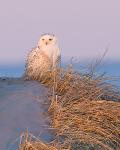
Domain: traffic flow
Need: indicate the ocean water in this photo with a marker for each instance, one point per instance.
(109, 68)
(11, 70)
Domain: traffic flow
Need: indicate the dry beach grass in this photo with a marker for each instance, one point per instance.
(81, 110)
(30, 142)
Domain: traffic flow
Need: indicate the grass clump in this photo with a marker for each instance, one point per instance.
(82, 111)
(30, 142)
(80, 114)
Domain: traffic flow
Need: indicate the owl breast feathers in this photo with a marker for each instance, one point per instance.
(43, 58)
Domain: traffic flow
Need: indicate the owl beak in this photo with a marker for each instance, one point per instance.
(46, 43)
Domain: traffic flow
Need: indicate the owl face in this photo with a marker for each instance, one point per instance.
(47, 40)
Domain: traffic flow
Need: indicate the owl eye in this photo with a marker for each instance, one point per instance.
(50, 39)
(43, 39)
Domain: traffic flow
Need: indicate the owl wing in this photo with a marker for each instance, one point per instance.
(30, 58)
(32, 54)
(57, 59)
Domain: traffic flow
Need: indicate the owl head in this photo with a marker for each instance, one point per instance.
(47, 40)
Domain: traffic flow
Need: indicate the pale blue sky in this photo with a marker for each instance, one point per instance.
(85, 28)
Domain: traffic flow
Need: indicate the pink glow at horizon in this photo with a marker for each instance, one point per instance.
(84, 28)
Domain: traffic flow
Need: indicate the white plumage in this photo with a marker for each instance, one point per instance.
(44, 57)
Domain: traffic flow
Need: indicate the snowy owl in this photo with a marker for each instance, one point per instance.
(45, 57)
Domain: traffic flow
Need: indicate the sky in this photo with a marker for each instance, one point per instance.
(85, 28)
